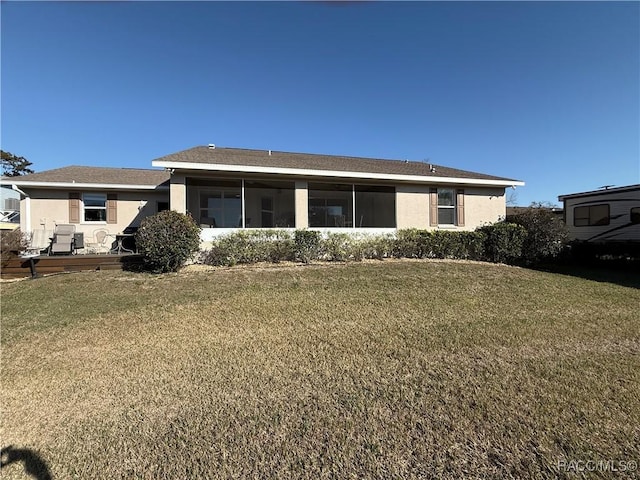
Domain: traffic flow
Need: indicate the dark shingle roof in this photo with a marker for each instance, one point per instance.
(308, 161)
(98, 175)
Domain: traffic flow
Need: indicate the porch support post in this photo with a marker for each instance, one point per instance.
(353, 206)
(302, 204)
(178, 193)
(242, 204)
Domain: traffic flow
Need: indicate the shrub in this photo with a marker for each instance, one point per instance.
(461, 245)
(167, 240)
(251, 246)
(546, 234)
(11, 242)
(340, 247)
(503, 242)
(414, 243)
(377, 247)
(306, 245)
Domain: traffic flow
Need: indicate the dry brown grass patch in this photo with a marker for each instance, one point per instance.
(372, 370)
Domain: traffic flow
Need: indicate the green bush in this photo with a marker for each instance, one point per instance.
(340, 247)
(503, 242)
(377, 247)
(414, 243)
(306, 245)
(251, 246)
(11, 242)
(546, 234)
(167, 240)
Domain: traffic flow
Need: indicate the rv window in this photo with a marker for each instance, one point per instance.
(635, 215)
(593, 215)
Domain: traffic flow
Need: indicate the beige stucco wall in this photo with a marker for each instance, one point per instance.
(412, 206)
(481, 206)
(178, 192)
(51, 207)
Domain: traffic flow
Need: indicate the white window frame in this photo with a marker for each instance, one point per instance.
(85, 208)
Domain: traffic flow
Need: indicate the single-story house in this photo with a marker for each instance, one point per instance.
(225, 189)
(605, 215)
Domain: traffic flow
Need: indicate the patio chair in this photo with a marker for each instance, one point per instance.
(62, 241)
(40, 241)
(101, 242)
(207, 222)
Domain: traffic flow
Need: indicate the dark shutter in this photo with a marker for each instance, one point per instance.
(433, 207)
(460, 207)
(112, 208)
(74, 207)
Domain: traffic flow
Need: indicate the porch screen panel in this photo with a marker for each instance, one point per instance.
(375, 206)
(330, 205)
(269, 204)
(220, 205)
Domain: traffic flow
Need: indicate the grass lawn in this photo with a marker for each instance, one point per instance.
(395, 369)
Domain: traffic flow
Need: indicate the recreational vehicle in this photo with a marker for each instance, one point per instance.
(605, 215)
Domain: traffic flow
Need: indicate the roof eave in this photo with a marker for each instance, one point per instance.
(77, 185)
(335, 173)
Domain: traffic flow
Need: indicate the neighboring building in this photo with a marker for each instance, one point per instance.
(9, 208)
(606, 215)
(226, 189)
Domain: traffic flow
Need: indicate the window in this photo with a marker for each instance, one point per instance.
(593, 215)
(269, 204)
(162, 206)
(221, 208)
(266, 212)
(330, 205)
(635, 215)
(375, 206)
(95, 207)
(446, 206)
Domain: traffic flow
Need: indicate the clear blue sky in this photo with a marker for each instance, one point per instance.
(544, 92)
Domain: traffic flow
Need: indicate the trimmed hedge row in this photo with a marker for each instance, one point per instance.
(501, 242)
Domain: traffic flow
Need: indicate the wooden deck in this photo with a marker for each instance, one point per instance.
(45, 265)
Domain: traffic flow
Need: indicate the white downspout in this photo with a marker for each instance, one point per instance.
(25, 224)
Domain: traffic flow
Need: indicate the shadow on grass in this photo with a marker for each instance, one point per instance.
(34, 465)
(626, 274)
(133, 263)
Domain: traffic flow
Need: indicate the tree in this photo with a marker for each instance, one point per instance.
(14, 166)
(546, 232)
